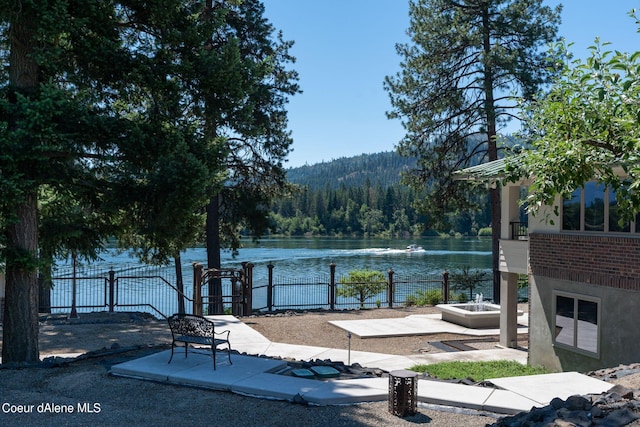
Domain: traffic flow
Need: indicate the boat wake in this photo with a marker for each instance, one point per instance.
(390, 251)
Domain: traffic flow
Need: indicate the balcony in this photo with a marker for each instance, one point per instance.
(514, 256)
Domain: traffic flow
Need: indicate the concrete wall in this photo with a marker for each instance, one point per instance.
(619, 333)
(514, 256)
(546, 220)
(600, 266)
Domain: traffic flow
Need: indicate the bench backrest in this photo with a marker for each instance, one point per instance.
(190, 325)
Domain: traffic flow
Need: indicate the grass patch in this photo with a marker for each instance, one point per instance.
(479, 371)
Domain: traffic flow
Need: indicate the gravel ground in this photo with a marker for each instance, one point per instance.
(83, 393)
(313, 328)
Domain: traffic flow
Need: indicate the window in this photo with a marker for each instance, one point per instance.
(571, 211)
(594, 208)
(577, 320)
(614, 216)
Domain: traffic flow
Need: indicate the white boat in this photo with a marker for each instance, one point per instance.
(414, 248)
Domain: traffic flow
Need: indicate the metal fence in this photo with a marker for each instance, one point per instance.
(322, 291)
(154, 290)
(146, 289)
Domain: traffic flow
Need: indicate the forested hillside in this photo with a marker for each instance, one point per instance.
(354, 171)
(361, 196)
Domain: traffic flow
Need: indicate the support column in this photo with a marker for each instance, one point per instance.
(509, 310)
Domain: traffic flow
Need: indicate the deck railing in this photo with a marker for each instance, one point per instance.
(519, 231)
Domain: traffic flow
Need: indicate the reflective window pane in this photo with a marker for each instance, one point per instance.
(588, 326)
(614, 216)
(571, 211)
(564, 320)
(593, 207)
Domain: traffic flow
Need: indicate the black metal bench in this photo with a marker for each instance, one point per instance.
(192, 329)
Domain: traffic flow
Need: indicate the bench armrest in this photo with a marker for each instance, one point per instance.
(227, 332)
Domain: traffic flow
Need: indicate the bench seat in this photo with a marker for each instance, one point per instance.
(196, 330)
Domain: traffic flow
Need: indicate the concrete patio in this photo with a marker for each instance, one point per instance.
(256, 370)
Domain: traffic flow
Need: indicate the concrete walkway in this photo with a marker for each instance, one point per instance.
(258, 375)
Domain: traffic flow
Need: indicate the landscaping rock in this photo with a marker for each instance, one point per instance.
(617, 407)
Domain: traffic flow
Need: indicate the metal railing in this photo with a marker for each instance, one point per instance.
(321, 291)
(147, 289)
(519, 230)
(154, 291)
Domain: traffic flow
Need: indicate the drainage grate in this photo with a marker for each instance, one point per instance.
(442, 346)
(451, 346)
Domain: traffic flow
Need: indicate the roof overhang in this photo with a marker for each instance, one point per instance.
(490, 171)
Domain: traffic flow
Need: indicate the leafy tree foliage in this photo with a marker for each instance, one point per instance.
(460, 72)
(362, 284)
(587, 127)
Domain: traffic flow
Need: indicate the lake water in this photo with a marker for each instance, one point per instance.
(301, 256)
(305, 257)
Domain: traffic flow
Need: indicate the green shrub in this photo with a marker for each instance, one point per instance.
(485, 232)
(432, 296)
(428, 297)
(411, 300)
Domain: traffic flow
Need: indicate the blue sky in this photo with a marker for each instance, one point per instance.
(345, 48)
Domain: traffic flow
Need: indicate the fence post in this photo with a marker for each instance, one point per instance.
(237, 298)
(270, 288)
(248, 288)
(390, 288)
(445, 287)
(197, 291)
(332, 286)
(112, 286)
(44, 298)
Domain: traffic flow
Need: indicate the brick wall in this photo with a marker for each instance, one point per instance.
(602, 260)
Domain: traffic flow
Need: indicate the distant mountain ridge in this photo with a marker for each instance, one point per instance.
(379, 168)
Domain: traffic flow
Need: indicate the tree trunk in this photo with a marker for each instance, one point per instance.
(20, 323)
(492, 150)
(213, 255)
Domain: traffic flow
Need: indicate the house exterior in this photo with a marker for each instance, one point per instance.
(583, 267)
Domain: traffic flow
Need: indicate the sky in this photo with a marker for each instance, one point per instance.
(345, 48)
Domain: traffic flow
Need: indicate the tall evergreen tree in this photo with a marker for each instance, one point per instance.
(243, 88)
(460, 71)
(79, 120)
